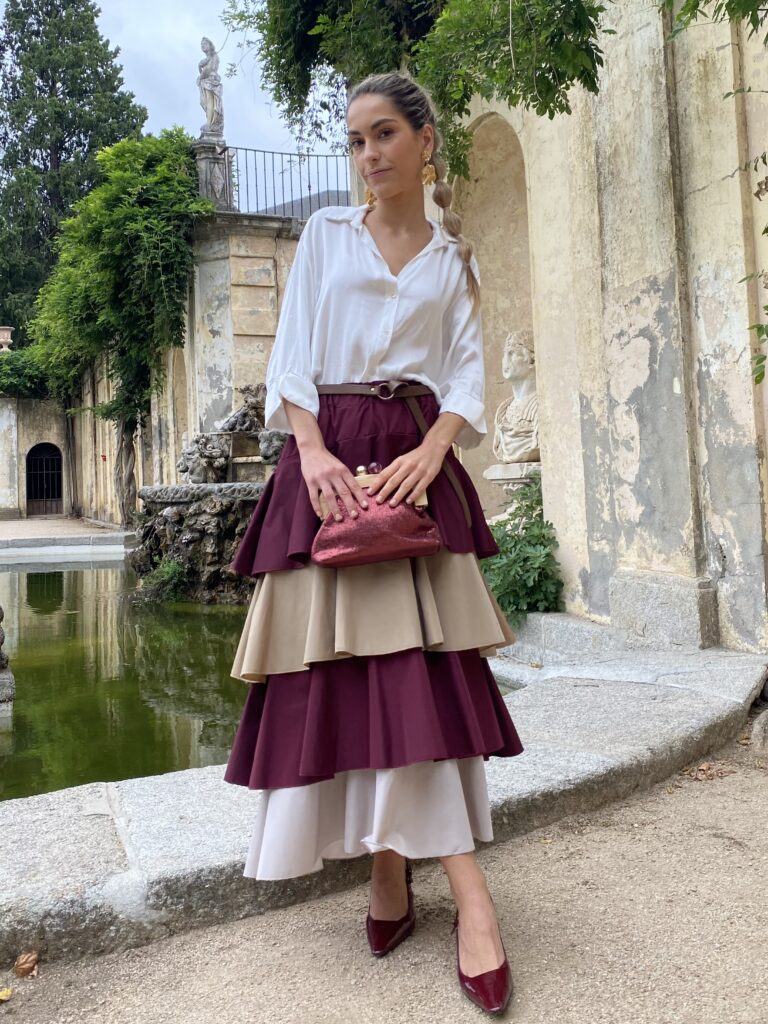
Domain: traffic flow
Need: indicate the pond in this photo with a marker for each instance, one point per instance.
(110, 689)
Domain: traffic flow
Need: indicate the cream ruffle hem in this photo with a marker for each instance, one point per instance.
(300, 616)
(428, 809)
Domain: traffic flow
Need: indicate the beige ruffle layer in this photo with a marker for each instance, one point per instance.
(429, 809)
(301, 616)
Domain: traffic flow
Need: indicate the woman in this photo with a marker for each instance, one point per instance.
(372, 706)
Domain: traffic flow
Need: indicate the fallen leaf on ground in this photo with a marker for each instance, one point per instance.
(5, 994)
(706, 772)
(546, 839)
(26, 964)
(745, 740)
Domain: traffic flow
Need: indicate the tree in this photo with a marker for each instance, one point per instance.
(528, 52)
(61, 100)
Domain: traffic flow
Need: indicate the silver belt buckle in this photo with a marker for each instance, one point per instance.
(391, 386)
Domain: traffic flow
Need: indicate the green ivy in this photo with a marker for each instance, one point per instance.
(118, 291)
(21, 374)
(525, 576)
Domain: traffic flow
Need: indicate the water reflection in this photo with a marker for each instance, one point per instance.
(45, 591)
(108, 689)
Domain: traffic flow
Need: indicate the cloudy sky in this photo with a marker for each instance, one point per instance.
(159, 44)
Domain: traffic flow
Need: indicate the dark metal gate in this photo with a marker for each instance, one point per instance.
(44, 484)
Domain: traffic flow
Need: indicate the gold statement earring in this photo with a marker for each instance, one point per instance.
(370, 197)
(428, 172)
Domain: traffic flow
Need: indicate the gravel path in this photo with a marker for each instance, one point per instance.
(651, 911)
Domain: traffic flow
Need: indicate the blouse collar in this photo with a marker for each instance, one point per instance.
(354, 215)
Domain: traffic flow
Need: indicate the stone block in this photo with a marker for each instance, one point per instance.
(254, 320)
(664, 609)
(258, 271)
(248, 244)
(249, 297)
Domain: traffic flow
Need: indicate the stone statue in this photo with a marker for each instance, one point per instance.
(271, 444)
(516, 437)
(249, 418)
(204, 460)
(211, 91)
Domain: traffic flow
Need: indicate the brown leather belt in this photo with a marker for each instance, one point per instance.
(402, 389)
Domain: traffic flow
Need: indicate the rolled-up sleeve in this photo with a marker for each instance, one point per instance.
(462, 381)
(289, 371)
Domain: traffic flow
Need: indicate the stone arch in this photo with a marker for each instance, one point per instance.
(45, 480)
(493, 204)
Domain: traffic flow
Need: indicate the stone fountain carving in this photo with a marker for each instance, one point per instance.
(200, 521)
(516, 424)
(205, 460)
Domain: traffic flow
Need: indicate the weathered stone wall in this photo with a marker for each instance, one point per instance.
(25, 423)
(640, 237)
(96, 450)
(241, 266)
(9, 458)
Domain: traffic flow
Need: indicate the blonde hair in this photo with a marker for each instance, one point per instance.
(416, 106)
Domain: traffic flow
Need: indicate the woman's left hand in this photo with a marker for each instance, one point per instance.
(409, 475)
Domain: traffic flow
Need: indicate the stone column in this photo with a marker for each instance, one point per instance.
(659, 591)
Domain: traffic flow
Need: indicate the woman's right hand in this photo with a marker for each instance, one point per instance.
(324, 474)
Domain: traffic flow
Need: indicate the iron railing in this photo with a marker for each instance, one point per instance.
(287, 184)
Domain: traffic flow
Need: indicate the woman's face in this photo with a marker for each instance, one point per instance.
(386, 149)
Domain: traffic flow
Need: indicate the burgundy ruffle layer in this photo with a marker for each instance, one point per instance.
(358, 430)
(383, 711)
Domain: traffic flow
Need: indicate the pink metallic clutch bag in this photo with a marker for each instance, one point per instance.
(378, 534)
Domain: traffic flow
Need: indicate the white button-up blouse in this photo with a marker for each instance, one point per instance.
(346, 318)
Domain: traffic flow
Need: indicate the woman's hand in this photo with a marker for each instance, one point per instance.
(409, 475)
(324, 473)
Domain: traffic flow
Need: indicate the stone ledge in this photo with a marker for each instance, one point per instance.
(106, 866)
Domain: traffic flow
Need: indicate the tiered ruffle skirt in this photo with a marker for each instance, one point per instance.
(371, 707)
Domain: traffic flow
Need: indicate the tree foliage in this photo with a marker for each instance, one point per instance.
(118, 290)
(753, 13)
(528, 52)
(61, 100)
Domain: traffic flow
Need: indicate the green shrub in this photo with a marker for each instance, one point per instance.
(168, 581)
(525, 575)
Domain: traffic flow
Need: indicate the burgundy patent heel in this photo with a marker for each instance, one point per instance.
(490, 991)
(384, 936)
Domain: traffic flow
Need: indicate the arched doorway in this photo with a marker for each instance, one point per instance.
(44, 480)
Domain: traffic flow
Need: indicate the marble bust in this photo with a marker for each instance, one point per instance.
(211, 91)
(516, 434)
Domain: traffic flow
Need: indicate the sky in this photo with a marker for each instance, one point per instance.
(159, 43)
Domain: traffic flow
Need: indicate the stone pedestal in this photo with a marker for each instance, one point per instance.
(214, 171)
(511, 475)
